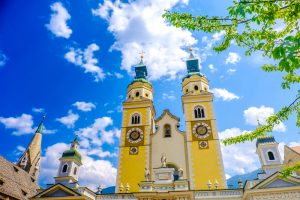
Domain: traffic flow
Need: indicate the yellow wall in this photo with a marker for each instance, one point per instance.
(132, 167)
(204, 164)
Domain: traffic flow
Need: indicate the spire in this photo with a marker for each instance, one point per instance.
(141, 69)
(30, 160)
(192, 63)
(41, 125)
(191, 53)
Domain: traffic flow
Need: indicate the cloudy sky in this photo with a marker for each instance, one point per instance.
(74, 59)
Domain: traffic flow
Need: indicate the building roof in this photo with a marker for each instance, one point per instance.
(72, 153)
(167, 112)
(296, 149)
(266, 139)
(17, 183)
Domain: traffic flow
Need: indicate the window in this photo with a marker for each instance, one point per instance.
(135, 119)
(1, 181)
(16, 169)
(196, 87)
(137, 94)
(23, 192)
(199, 112)
(65, 168)
(167, 130)
(75, 170)
(271, 155)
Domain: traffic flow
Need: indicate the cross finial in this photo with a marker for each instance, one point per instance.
(191, 52)
(142, 55)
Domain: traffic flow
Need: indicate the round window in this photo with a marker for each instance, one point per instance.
(137, 94)
(196, 87)
(147, 95)
(187, 90)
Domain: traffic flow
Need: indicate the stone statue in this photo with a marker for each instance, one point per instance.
(180, 173)
(127, 187)
(163, 160)
(147, 174)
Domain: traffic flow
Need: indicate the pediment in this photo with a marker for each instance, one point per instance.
(276, 181)
(58, 190)
(167, 113)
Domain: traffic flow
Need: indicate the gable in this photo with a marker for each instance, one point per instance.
(275, 181)
(58, 193)
(279, 183)
(58, 190)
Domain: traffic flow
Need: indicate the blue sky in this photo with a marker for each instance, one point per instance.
(73, 60)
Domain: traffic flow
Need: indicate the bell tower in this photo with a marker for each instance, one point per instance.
(205, 164)
(70, 163)
(137, 126)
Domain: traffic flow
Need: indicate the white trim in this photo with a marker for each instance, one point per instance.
(269, 150)
(63, 168)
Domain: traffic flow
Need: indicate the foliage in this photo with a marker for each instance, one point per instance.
(251, 24)
(287, 171)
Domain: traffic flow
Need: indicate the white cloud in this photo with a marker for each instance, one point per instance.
(3, 59)
(231, 71)
(69, 120)
(97, 133)
(49, 169)
(233, 58)
(22, 124)
(252, 114)
(48, 131)
(212, 68)
(138, 26)
(169, 95)
(20, 148)
(84, 106)
(38, 110)
(19, 151)
(58, 22)
(86, 60)
(239, 158)
(207, 50)
(118, 75)
(227, 176)
(91, 168)
(218, 35)
(91, 140)
(224, 94)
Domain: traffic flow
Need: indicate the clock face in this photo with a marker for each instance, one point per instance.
(201, 130)
(134, 135)
(203, 144)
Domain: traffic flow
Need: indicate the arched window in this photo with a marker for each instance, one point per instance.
(75, 170)
(65, 168)
(199, 112)
(167, 130)
(271, 155)
(135, 119)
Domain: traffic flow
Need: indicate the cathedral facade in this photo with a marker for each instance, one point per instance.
(191, 158)
(158, 161)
